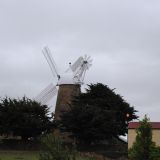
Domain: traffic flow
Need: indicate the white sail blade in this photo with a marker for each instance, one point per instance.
(43, 96)
(48, 90)
(50, 61)
(44, 91)
(77, 64)
(79, 74)
(48, 97)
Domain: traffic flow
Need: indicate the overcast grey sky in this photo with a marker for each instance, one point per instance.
(122, 37)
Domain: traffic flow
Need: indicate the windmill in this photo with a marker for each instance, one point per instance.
(69, 82)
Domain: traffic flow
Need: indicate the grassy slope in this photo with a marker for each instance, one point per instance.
(18, 155)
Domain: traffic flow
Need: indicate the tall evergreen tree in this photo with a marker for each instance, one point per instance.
(98, 114)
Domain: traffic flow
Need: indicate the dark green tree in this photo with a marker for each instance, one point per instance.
(99, 114)
(23, 117)
(143, 147)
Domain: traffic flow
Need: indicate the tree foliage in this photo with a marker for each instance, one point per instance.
(23, 117)
(98, 114)
(144, 148)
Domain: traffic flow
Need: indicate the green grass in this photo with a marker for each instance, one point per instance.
(18, 155)
(27, 155)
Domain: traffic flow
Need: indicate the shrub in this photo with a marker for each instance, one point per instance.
(54, 149)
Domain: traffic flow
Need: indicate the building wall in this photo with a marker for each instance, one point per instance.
(156, 136)
(132, 136)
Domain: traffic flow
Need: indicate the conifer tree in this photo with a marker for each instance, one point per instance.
(24, 117)
(99, 114)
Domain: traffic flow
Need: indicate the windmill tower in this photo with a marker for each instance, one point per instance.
(69, 82)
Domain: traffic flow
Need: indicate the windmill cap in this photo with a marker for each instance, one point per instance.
(66, 78)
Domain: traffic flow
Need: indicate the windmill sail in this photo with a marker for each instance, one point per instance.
(73, 76)
(79, 74)
(46, 94)
(50, 61)
(77, 64)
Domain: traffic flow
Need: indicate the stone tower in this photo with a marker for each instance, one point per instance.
(65, 96)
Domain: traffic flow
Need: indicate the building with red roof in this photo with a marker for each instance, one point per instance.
(132, 126)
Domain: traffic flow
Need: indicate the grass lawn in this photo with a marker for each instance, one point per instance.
(26, 155)
(18, 155)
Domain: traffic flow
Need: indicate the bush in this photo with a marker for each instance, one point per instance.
(54, 149)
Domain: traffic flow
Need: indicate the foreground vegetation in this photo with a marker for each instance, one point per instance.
(54, 148)
(51, 148)
(95, 120)
(19, 155)
(28, 155)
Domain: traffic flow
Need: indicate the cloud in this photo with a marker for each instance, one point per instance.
(121, 36)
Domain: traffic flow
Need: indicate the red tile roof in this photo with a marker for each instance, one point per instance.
(134, 125)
